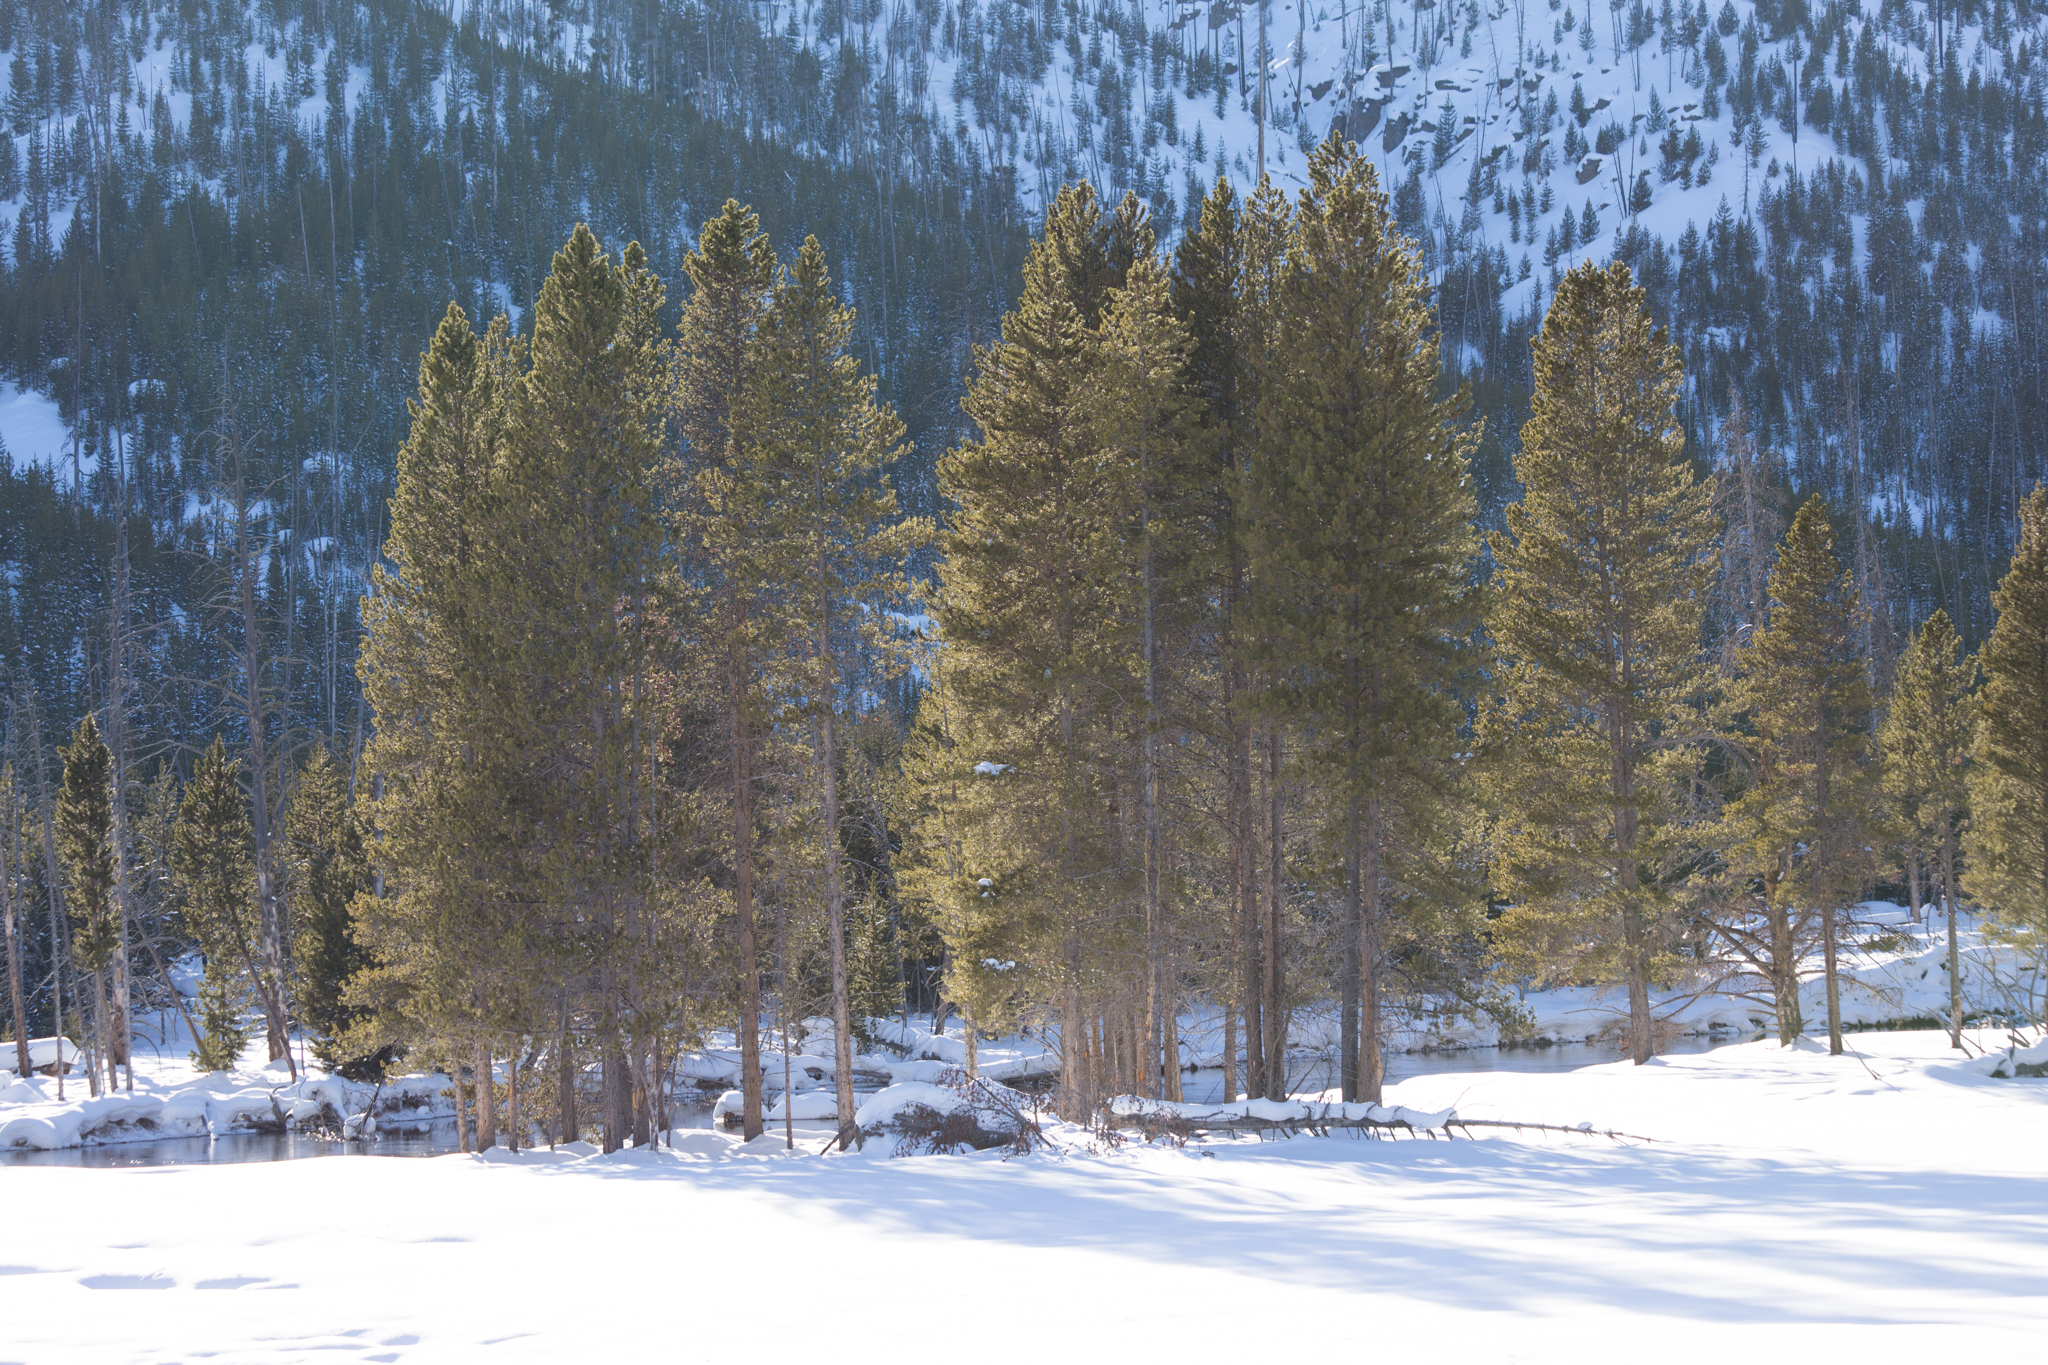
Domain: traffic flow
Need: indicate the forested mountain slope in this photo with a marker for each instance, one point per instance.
(228, 231)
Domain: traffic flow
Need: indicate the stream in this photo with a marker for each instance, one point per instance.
(1201, 1086)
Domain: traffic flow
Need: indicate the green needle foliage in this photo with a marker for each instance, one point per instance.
(1929, 730)
(1361, 543)
(1602, 581)
(2007, 848)
(1802, 830)
(214, 869)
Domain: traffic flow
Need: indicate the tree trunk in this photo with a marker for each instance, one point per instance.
(14, 954)
(749, 1029)
(51, 883)
(618, 1098)
(106, 1025)
(1249, 985)
(512, 1102)
(565, 1096)
(835, 920)
(1348, 945)
(270, 933)
(460, 1094)
(486, 1100)
(1834, 984)
(1955, 964)
(1372, 1066)
(1913, 881)
(1276, 899)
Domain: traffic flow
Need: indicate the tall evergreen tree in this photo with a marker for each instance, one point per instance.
(1360, 545)
(216, 879)
(570, 580)
(720, 508)
(824, 443)
(1033, 614)
(1144, 420)
(327, 868)
(2006, 851)
(85, 843)
(1926, 739)
(1801, 830)
(1211, 294)
(1603, 576)
(444, 811)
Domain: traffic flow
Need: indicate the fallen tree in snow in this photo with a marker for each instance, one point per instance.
(1321, 1117)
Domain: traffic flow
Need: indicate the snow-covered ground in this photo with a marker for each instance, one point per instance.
(1888, 1205)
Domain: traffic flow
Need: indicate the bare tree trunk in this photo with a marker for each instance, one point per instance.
(120, 1028)
(1913, 880)
(270, 935)
(57, 955)
(14, 954)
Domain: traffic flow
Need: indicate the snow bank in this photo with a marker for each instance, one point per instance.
(215, 1105)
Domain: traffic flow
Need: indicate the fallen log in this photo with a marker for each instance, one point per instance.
(1157, 1117)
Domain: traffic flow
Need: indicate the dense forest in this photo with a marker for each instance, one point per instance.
(233, 231)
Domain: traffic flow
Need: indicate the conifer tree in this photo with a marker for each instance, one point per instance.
(1033, 613)
(824, 441)
(719, 510)
(327, 869)
(1801, 830)
(216, 879)
(444, 820)
(1360, 545)
(1211, 295)
(85, 830)
(569, 577)
(2006, 851)
(1602, 579)
(1926, 738)
(1144, 420)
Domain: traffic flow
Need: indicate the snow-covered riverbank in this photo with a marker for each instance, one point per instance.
(1887, 1205)
(1893, 973)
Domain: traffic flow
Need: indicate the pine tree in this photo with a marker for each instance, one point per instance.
(444, 806)
(1033, 609)
(570, 581)
(85, 832)
(823, 441)
(216, 879)
(1210, 294)
(1360, 548)
(1926, 739)
(719, 508)
(2006, 853)
(1144, 422)
(327, 869)
(1801, 830)
(1602, 580)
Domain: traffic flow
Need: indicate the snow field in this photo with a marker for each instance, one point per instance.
(1884, 1206)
